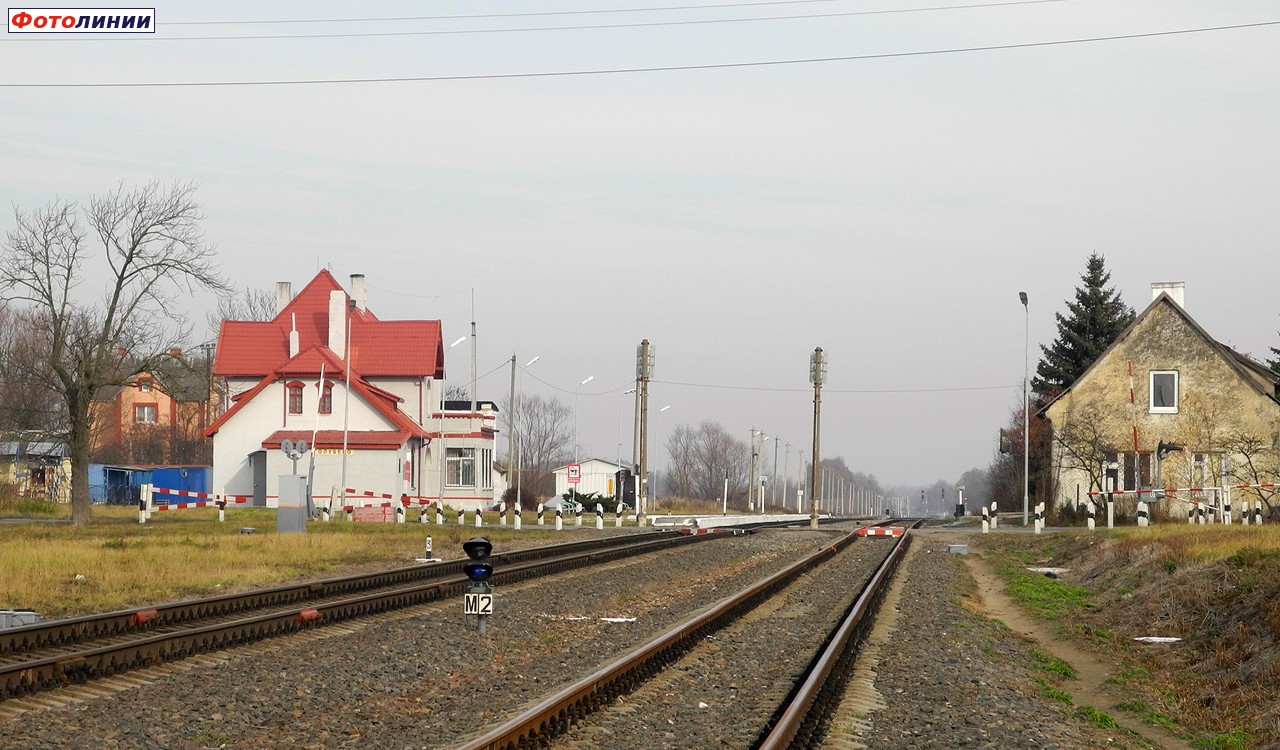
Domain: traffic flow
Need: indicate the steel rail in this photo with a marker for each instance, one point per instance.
(53, 671)
(798, 719)
(110, 624)
(554, 714)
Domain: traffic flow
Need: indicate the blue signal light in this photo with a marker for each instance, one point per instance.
(477, 570)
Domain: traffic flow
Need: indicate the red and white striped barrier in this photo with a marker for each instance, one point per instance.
(147, 494)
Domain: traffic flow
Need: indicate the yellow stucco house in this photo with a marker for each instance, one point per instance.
(1165, 381)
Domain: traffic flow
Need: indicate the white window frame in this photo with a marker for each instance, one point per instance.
(460, 467)
(142, 411)
(486, 468)
(1151, 392)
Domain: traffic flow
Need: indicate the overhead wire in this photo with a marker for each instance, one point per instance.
(648, 69)
(579, 27)
(472, 16)
(837, 390)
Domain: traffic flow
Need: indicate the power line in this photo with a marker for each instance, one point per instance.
(653, 69)
(837, 390)
(499, 15)
(581, 27)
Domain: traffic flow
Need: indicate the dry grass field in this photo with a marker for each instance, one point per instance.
(115, 563)
(1215, 587)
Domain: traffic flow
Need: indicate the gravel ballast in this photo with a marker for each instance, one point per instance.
(424, 680)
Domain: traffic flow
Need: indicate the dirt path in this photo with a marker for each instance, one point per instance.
(1091, 688)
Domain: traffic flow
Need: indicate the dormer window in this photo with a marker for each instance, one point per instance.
(294, 391)
(1164, 392)
(145, 387)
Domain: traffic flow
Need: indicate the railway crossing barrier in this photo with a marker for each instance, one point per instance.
(147, 503)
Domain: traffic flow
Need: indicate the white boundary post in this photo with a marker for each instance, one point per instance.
(439, 513)
(1111, 510)
(1093, 512)
(479, 518)
(986, 520)
(559, 519)
(142, 503)
(461, 519)
(540, 510)
(1142, 512)
(599, 516)
(516, 516)
(995, 516)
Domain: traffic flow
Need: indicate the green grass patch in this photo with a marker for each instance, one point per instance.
(1049, 598)
(1096, 717)
(1053, 665)
(1051, 691)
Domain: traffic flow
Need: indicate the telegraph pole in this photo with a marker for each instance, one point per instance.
(817, 376)
(644, 371)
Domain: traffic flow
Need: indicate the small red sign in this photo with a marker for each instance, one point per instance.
(575, 473)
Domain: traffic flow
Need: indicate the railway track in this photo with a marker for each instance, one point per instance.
(52, 654)
(748, 664)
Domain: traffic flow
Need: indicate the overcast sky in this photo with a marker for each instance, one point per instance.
(888, 208)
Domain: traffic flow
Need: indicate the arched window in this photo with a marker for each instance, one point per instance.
(326, 398)
(294, 391)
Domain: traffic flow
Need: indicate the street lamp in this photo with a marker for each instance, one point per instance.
(627, 392)
(588, 379)
(519, 447)
(1026, 408)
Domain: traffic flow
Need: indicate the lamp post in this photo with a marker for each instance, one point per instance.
(773, 477)
(516, 459)
(653, 508)
(627, 392)
(764, 460)
(511, 434)
(573, 487)
(1026, 408)
(786, 477)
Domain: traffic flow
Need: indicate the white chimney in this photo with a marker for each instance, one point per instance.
(338, 323)
(357, 291)
(284, 295)
(293, 335)
(1173, 288)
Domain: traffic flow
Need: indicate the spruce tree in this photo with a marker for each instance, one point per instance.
(1094, 320)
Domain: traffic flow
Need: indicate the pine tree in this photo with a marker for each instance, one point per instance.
(1094, 320)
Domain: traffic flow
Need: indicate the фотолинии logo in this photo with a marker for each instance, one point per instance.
(82, 20)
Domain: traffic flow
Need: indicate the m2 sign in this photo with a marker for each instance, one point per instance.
(575, 473)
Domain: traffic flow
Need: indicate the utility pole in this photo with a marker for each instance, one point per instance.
(511, 435)
(644, 371)
(817, 376)
(751, 478)
(773, 477)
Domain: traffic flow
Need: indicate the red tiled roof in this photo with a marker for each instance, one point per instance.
(332, 439)
(397, 348)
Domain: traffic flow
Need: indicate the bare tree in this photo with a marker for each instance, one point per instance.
(153, 253)
(700, 459)
(249, 304)
(27, 407)
(457, 392)
(543, 433)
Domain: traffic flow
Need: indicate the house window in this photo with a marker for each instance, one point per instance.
(1164, 392)
(460, 467)
(144, 413)
(486, 468)
(295, 398)
(326, 399)
(144, 387)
